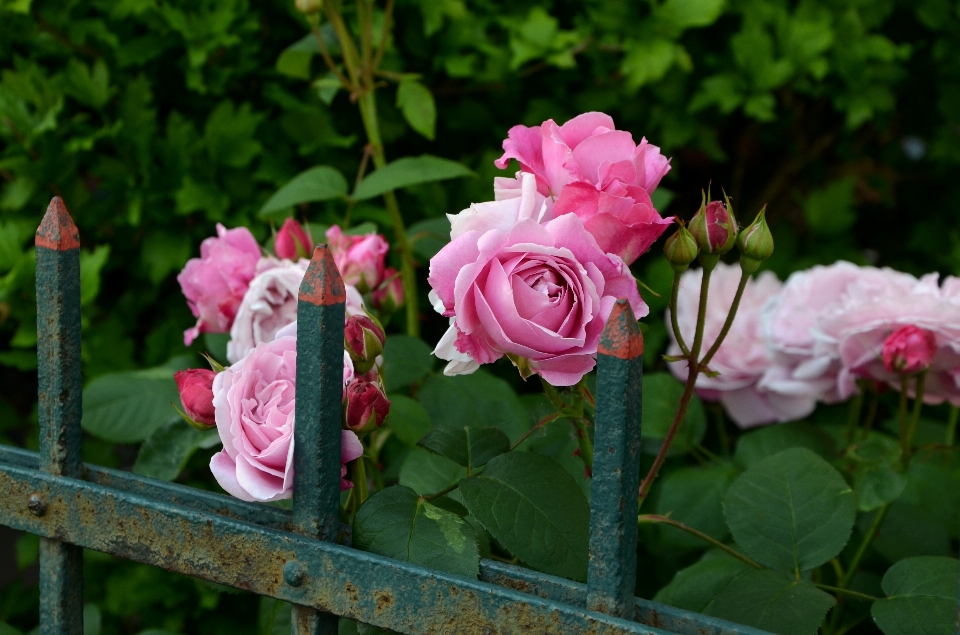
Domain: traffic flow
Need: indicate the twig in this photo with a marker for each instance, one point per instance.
(666, 520)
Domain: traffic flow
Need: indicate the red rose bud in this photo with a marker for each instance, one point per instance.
(363, 340)
(389, 295)
(909, 350)
(755, 243)
(365, 406)
(715, 230)
(681, 249)
(292, 241)
(196, 394)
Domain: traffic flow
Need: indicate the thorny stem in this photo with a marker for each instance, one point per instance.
(666, 520)
(744, 278)
(674, 293)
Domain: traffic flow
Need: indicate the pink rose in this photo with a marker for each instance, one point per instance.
(254, 402)
(909, 350)
(854, 333)
(292, 241)
(515, 200)
(196, 393)
(360, 259)
(389, 296)
(269, 305)
(591, 169)
(742, 360)
(215, 282)
(540, 292)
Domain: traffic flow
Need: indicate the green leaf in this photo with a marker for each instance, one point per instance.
(92, 621)
(6, 629)
(416, 103)
(694, 588)
(128, 407)
(91, 262)
(407, 360)
(647, 61)
(430, 236)
(408, 419)
(469, 447)
(406, 172)
(685, 14)
(535, 509)
(229, 134)
(878, 486)
(661, 394)
(320, 183)
(829, 210)
(756, 445)
(908, 530)
(479, 400)
(88, 86)
(427, 473)
(772, 602)
(791, 512)
(921, 597)
(273, 617)
(397, 523)
(165, 452)
(693, 496)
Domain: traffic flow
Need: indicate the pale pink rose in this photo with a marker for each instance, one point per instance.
(516, 199)
(215, 282)
(269, 305)
(360, 259)
(254, 409)
(542, 292)
(591, 169)
(854, 332)
(742, 360)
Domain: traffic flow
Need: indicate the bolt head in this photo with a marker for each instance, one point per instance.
(293, 573)
(36, 505)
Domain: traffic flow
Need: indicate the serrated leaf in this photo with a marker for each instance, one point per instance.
(878, 486)
(320, 183)
(427, 473)
(921, 597)
(771, 601)
(407, 360)
(409, 420)
(406, 172)
(791, 512)
(416, 103)
(479, 400)
(397, 523)
(128, 407)
(165, 452)
(535, 509)
(466, 446)
(661, 394)
(693, 496)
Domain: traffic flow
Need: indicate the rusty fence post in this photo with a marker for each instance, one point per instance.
(611, 574)
(316, 450)
(60, 390)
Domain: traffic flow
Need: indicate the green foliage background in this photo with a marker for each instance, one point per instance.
(154, 120)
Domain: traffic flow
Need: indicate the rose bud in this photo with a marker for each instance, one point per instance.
(389, 296)
(909, 350)
(715, 230)
(365, 406)
(755, 243)
(681, 249)
(196, 395)
(292, 241)
(363, 340)
(307, 7)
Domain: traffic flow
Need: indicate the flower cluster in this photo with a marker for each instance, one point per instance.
(814, 338)
(534, 274)
(234, 289)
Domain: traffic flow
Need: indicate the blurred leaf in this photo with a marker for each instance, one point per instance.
(91, 262)
(229, 134)
(519, 491)
(397, 523)
(661, 394)
(88, 86)
(685, 14)
(756, 445)
(829, 210)
(273, 616)
(406, 172)
(647, 61)
(429, 236)
(921, 597)
(166, 451)
(792, 511)
(407, 360)
(408, 419)
(320, 183)
(773, 602)
(694, 587)
(469, 447)
(416, 103)
(91, 619)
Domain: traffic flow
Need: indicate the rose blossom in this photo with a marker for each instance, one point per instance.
(360, 259)
(854, 332)
(742, 358)
(195, 386)
(215, 282)
(254, 401)
(541, 292)
(591, 169)
(516, 200)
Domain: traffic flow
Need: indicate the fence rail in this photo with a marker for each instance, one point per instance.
(294, 556)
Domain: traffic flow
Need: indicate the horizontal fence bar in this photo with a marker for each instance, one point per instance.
(325, 576)
(668, 618)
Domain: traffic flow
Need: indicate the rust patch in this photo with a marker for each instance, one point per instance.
(57, 230)
(352, 592)
(384, 600)
(322, 284)
(621, 337)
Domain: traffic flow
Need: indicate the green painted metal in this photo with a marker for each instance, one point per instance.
(294, 556)
(316, 451)
(614, 490)
(59, 408)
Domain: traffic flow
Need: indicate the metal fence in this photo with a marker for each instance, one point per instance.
(295, 556)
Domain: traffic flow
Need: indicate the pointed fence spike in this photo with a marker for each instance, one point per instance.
(317, 431)
(611, 573)
(59, 407)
